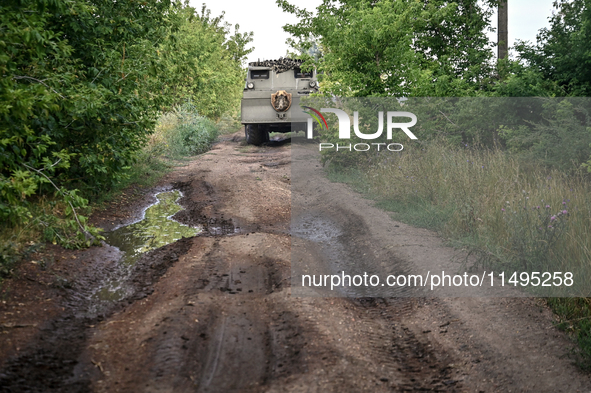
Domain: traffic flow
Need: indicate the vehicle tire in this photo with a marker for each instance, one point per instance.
(256, 134)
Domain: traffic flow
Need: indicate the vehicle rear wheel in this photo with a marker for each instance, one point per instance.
(256, 134)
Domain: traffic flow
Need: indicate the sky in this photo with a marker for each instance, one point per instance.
(265, 19)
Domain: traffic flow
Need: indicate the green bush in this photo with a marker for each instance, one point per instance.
(82, 84)
(182, 132)
(194, 134)
(75, 95)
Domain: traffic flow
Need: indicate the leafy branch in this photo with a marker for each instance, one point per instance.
(66, 194)
(17, 77)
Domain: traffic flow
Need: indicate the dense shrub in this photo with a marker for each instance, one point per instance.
(83, 82)
(183, 132)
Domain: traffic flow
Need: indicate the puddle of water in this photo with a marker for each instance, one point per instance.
(337, 255)
(155, 230)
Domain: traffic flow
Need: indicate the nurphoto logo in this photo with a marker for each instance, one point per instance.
(345, 128)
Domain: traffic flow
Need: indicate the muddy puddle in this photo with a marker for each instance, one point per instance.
(326, 236)
(154, 230)
(339, 245)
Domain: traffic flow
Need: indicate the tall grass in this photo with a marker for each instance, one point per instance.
(514, 215)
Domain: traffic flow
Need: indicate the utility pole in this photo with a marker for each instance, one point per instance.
(502, 37)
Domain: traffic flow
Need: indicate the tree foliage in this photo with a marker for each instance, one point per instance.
(396, 47)
(562, 53)
(560, 61)
(417, 48)
(82, 83)
(203, 61)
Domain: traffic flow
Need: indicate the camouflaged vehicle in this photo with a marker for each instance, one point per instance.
(271, 99)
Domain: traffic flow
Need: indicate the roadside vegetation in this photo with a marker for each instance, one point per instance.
(182, 132)
(512, 190)
(509, 214)
(95, 96)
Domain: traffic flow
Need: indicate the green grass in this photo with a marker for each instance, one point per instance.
(539, 218)
(419, 212)
(283, 135)
(575, 318)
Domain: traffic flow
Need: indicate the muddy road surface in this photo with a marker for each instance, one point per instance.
(214, 312)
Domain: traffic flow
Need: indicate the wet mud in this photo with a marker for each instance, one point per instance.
(51, 361)
(215, 310)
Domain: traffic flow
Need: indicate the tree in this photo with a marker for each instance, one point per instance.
(397, 47)
(562, 53)
(82, 83)
(203, 63)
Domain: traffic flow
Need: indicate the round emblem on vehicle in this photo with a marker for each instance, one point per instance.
(281, 100)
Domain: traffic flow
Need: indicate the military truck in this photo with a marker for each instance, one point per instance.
(271, 98)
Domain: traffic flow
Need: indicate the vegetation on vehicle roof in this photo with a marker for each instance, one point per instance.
(280, 65)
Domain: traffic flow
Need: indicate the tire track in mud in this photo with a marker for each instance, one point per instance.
(344, 243)
(240, 323)
(215, 312)
(50, 362)
(218, 312)
(236, 328)
(414, 361)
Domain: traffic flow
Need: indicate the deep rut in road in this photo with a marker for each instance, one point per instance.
(215, 312)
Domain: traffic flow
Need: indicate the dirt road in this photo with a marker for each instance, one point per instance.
(214, 312)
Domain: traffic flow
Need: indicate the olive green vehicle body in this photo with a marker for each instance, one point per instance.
(259, 115)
